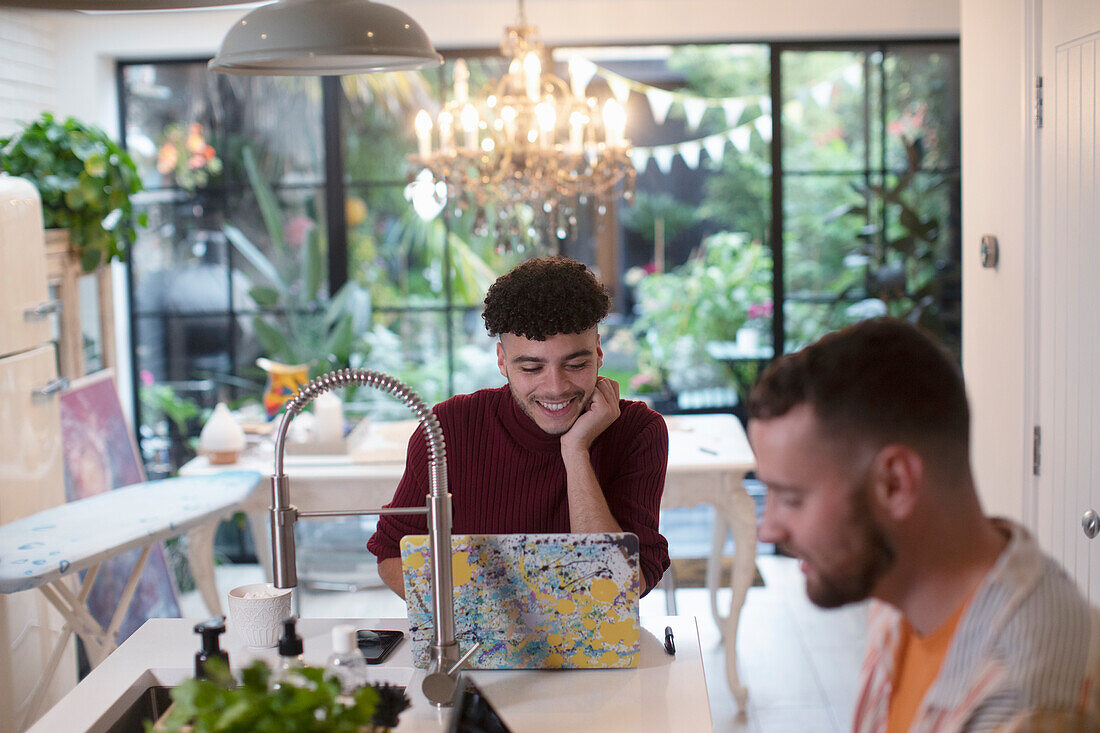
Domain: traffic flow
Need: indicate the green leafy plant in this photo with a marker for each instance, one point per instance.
(908, 263)
(708, 298)
(300, 324)
(312, 703)
(85, 180)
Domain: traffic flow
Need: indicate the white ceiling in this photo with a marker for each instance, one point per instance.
(129, 5)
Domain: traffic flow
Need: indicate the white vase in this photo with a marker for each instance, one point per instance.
(221, 439)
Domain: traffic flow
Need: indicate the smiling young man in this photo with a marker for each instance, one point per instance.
(863, 442)
(553, 450)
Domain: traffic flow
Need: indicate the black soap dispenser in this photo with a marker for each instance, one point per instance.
(210, 631)
(290, 655)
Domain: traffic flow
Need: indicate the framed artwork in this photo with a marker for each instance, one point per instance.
(99, 454)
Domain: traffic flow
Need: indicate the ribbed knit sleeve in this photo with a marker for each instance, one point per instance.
(507, 476)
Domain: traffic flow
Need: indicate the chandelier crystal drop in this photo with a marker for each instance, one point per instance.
(525, 153)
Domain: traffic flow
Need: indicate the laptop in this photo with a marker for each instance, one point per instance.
(534, 601)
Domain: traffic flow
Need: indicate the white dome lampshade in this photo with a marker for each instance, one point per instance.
(324, 38)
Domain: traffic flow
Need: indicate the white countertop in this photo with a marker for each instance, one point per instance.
(664, 693)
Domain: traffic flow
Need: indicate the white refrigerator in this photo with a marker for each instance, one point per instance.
(31, 473)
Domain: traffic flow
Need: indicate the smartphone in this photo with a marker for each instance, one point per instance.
(376, 644)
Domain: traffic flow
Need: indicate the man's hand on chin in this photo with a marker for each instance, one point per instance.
(601, 412)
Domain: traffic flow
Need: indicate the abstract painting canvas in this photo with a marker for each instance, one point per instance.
(100, 455)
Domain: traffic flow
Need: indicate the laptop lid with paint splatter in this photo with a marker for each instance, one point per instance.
(534, 601)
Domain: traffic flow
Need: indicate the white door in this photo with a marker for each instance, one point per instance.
(1069, 295)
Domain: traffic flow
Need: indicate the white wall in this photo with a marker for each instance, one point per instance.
(996, 131)
(28, 70)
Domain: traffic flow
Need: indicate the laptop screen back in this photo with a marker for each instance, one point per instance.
(534, 601)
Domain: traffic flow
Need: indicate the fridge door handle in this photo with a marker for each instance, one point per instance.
(54, 386)
(40, 311)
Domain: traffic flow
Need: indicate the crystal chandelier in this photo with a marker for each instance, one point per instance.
(528, 151)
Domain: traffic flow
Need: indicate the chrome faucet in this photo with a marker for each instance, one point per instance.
(441, 680)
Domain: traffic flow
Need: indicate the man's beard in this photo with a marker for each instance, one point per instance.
(870, 559)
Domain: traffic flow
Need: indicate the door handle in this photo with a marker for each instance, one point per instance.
(1090, 523)
(54, 386)
(40, 311)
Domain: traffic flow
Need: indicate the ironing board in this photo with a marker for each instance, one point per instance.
(45, 549)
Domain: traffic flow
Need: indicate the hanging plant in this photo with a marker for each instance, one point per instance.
(85, 180)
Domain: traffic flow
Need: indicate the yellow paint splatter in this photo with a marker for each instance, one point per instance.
(619, 632)
(566, 606)
(555, 660)
(460, 568)
(580, 660)
(554, 639)
(589, 624)
(609, 658)
(604, 590)
(416, 560)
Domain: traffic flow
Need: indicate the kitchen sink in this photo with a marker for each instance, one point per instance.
(149, 705)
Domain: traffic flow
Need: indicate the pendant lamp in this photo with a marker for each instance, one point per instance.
(324, 38)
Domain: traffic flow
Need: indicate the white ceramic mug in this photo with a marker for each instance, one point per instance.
(256, 613)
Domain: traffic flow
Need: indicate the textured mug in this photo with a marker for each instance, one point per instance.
(256, 613)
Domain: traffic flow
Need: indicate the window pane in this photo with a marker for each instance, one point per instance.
(826, 114)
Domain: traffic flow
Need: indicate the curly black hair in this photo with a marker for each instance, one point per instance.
(543, 297)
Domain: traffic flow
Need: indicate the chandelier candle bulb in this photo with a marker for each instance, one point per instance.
(532, 71)
(462, 82)
(423, 125)
(614, 122)
(469, 122)
(446, 141)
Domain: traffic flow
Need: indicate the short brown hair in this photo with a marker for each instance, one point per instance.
(543, 297)
(881, 380)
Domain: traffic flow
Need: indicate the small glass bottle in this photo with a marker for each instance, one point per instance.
(290, 655)
(346, 662)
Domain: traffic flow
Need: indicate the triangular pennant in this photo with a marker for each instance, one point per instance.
(660, 102)
(694, 109)
(733, 109)
(581, 71)
(822, 93)
(689, 151)
(765, 105)
(740, 138)
(715, 146)
(639, 157)
(620, 88)
(662, 156)
(763, 125)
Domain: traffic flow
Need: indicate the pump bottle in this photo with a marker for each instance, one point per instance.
(346, 662)
(290, 654)
(210, 631)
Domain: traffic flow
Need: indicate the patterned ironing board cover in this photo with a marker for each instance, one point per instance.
(534, 601)
(43, 547)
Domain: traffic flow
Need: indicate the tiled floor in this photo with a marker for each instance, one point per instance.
(800, 663)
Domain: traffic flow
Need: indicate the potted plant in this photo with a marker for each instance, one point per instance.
(311, 702)
(85, 180)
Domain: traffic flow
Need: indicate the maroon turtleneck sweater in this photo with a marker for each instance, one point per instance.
(507, 476)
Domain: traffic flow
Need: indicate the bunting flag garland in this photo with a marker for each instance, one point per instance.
(661, 101)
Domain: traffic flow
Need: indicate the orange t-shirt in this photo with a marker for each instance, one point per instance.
(918, 664)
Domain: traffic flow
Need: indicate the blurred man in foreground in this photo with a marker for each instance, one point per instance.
(863, 442)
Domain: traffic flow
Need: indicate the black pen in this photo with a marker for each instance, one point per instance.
(670, 643)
